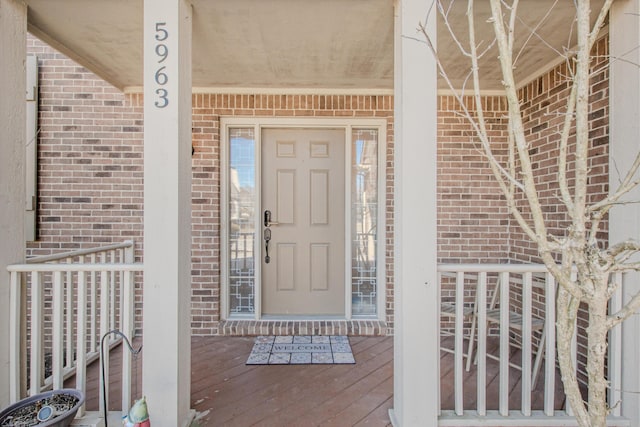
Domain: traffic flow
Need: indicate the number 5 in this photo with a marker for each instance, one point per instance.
(161, 33)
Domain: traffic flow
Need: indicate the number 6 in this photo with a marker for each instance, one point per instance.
(161, 77)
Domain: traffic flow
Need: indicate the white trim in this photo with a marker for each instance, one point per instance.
(257, 242)
(260, 123)
(348, 309)
(624, 117)
(516, 419)
(416, 310)
(381, 255)
(469, 92)
(167, 217)
(31, 142)
(224, 223)
(223, 90)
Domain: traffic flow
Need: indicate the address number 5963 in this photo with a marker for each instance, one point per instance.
(160, 76)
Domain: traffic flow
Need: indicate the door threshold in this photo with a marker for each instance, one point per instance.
(360, 327)
(301, 317)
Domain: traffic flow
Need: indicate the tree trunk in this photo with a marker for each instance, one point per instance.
(566, 311)
(597, 350)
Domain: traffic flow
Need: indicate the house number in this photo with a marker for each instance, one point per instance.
(161, 78)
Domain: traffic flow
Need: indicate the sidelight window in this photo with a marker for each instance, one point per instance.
(364, 221)
(241, 214)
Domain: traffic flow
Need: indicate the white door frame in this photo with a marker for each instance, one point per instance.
(258, 124)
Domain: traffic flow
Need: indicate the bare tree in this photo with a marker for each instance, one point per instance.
(582, 266)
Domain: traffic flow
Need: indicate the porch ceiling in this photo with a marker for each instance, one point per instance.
(336, 44)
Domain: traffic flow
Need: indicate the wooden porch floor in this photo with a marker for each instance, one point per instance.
(226, 392)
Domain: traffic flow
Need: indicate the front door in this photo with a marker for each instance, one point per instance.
(303, 212)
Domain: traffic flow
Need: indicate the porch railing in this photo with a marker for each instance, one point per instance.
(473, 292)
(61, 307)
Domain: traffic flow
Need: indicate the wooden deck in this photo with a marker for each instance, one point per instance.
(226, 392)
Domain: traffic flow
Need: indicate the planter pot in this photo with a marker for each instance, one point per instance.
(55, 408)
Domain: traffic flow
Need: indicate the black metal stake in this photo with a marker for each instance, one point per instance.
(104, 379)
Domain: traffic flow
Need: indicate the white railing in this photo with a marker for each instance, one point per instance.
(61, 307)
(476, 300)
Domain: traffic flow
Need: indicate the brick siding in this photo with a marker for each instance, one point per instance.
(473, 221)
(90, 168)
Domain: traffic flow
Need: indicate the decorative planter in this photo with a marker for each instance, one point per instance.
(55, 408)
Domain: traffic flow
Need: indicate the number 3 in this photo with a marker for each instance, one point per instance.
(162, 95)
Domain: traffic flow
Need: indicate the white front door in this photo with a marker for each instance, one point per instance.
(303, 218)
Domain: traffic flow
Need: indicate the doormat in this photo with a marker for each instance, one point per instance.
(301, 350)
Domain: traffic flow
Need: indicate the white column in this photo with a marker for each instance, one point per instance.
(624, 143)
(416, 353)
(13, 53)
(167, 211)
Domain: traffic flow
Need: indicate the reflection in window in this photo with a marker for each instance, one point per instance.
(364, 220)
(242, 211)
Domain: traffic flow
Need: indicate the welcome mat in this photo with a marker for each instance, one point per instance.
(301, 350)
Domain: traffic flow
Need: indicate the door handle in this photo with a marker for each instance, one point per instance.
(267, 239)
(267, 234)
(267, 219)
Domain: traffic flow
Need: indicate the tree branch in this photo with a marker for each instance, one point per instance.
(515, 116)
(628, 184)
(625, 312)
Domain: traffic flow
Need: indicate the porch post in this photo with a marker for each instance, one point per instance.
(624, 143)
(13, 54)
(167, 211)
(416, 353)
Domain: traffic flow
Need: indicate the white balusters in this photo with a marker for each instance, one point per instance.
(104, 328)
(81, 336)
(70, 303)
(69, 359)
(504, 343)
(522, 316)
(481, 307)
(615, 346)
(574, 349)
(15, 316)
(550, 345)
(526, 344)
(112, 294)
(93, 304)
(58, 330)
(458, 349)
(36, 354)
(128, 321)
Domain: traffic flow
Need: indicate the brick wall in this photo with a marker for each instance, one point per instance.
(473, 222)
(90, 158)
(543, 109)
(90, 171)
